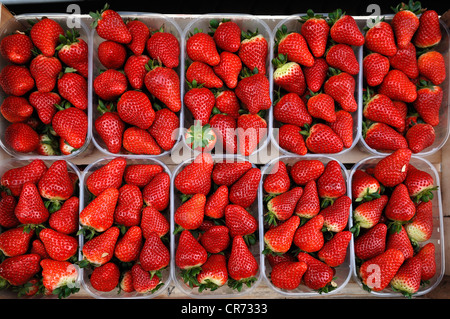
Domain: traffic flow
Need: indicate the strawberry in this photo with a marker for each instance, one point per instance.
(375, 68)
(110, 127)
(290, 109)
(281, 207)
(16, 80)
(216, 239)
(322, 139)
(135, 108)
(18, 270)
(304, 171)
(156, 193)
(251, 129)
(153, 221)
(405, 22)
(242, 265)
(428, 102)
(37, 247)
(100, 249)
(65, 220)
(291, 139)
(427, 254)
(7, 217)
(73, 51)
(368, 214)
(420, 136)
(126, 281)
(386, 264)
(191, 213)
(420, 185)
(309, 236)
(105, 278)
(380, 38)
(315, 30)
(334, 251)
(316, 74)
(164, 128)
(143, 281)
(392, 169)
(139, 141)
(201, 47)
(200, 101)
(279, 239)
(16, 48)
(240, 221)
(140, 34)
(21, 138)
(45, 35)
(429, 32)
(59, 277)
(223, 130)
(45, 71)
(405, 60)
(129, 206)
(343, 127)
(228, 172)
(214, 273)
(277, 181)
(98, 215)
(371, 243)
(110, 85)
(110, 26)
(203, 74)
(141, 174)
(321, 105)
(401, 242)
(432, 66)
(344, 29)
(107, 176)
(382, 137)
(308, 205)
(294, 46)
(56, 184)
(44, 103)
(331, 184)
(154, 255)
(15, 178)
(15, 241)
(73, 88)
(71, 124)
(253, 51)
(397, 86)
(254, 92)
(407, 279)
(59, 246)
(336, 216)
(288, 275)
(400, 208)
(216, 203)
(201, 168)
(135, 70)
(420, 228)
(318, 275)
(341, 87)
(227, 34)
(342, 57)
(275, 259)
(244, 191)
(189, 256)
(30, 207)
(380, 108)
(228, 69)
(288, 75)
(16, 109)
(164, 84)
(111, 54)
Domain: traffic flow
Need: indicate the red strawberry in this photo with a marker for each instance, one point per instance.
(129, 206)
(244, 191)
(126, 281)
(428, 103)
(322, 139)
(140, 33)
(253, 91)
(288, 275)
(195, 178)
(139, 141)
(18, 270)
(281, 207)
(16, 48)
(290, 109)
(386, 264)
(203, 74)
(73, 51)
(216, 239)
(405, 22)
(427, 254)
(224, 130)
(15, 178)
(315, 30)
(16, 80)
(316, 74)
(16, 109)
(279, 238)
(344, 29)
(135, 70)
(321, 105)
(380, 108)
(405, 60)
(420, 185)
(277, 181)
(294, 45)
(111, 54)
(336, 216)
(368, 214)
(201, 47)
(110, 127)
(135, 108)
(334, 251)
(309, 236)
(372, 243)
(21, 138)
(110, 26)
(341, 87)
(164, 84)
(318, 275)
(253, 51)
(110, 85)
(65, 220)
(164, 46)
(214, 273)
(242, 265)
(382, 137)
(200, 102)
(59, 277)
(73, 87)
(420, 136)
(420, 228)
(45, 71)
(304, 171)
(397, 86)
(143, 281)
(191, 213)
(108, 175)
(153, 221)
(380, 39)
(141, 174)
(44, 103)
(429, 32)
(59, 246)
(275, 259)
(189, 256)
(156, 193)
(105, 278)
(308, 205)
(164, 128)
(228, 69)
(331, 184)
(45, 35)
(291, 139)
(392, 169)
(407, 279)
(7, 217)
(216, 203)
(343, 127)
(72, 125)
(251, 129)
(400, 208)
(342, 57)
(15, 241)
(56, 184)
(100, 249)
(432, 66)
(289, 75)
(30, 207)
(228, 172)
(240, 221)
(401, 242)
(375, 68)
(227, 35)
(154, 255)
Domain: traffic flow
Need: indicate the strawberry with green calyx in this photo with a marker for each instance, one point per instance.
(420, 228)
(240, 222)
(364, 186)
(110, 127)
(201, 47)
(100, 249)
(190, 214)
(344, 29)
(308, 205)
(226, 34)
(382, 137)
(73, 87)
(281, 207)
(288, 75)
(71, 124)
(65, 220)
(45, 34)
(143, 281)
(154, 255)
(30, 209)
(73, 51)
(380, 37)
(214, 273)
(315, 29)
(400, 208)
(380, 108)
(318, 275)
(406, 22)
(368, 214)
(371, 243)
(341, 87)
(342, 57)
(201, 138)
(110, 26)
(203, 74)
(294, 45)
(164, 46)
(44, 103)
(253, 91)
(331, 184)
(401, 242)
(242, 265)
(407, 279)
(278, 239)
(420, 185)
(59, 277)
(336, 216)
(59, 246)
(290, 109)
(291, 139)
(18, 270)
(253, 50)
(309, 236)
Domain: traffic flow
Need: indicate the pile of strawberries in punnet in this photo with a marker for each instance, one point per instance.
(216, 223)
(138, 88)
(403, 73)
(39, 209)
(393, 223)
(228, 91)
(46, 88)
(306, 210)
